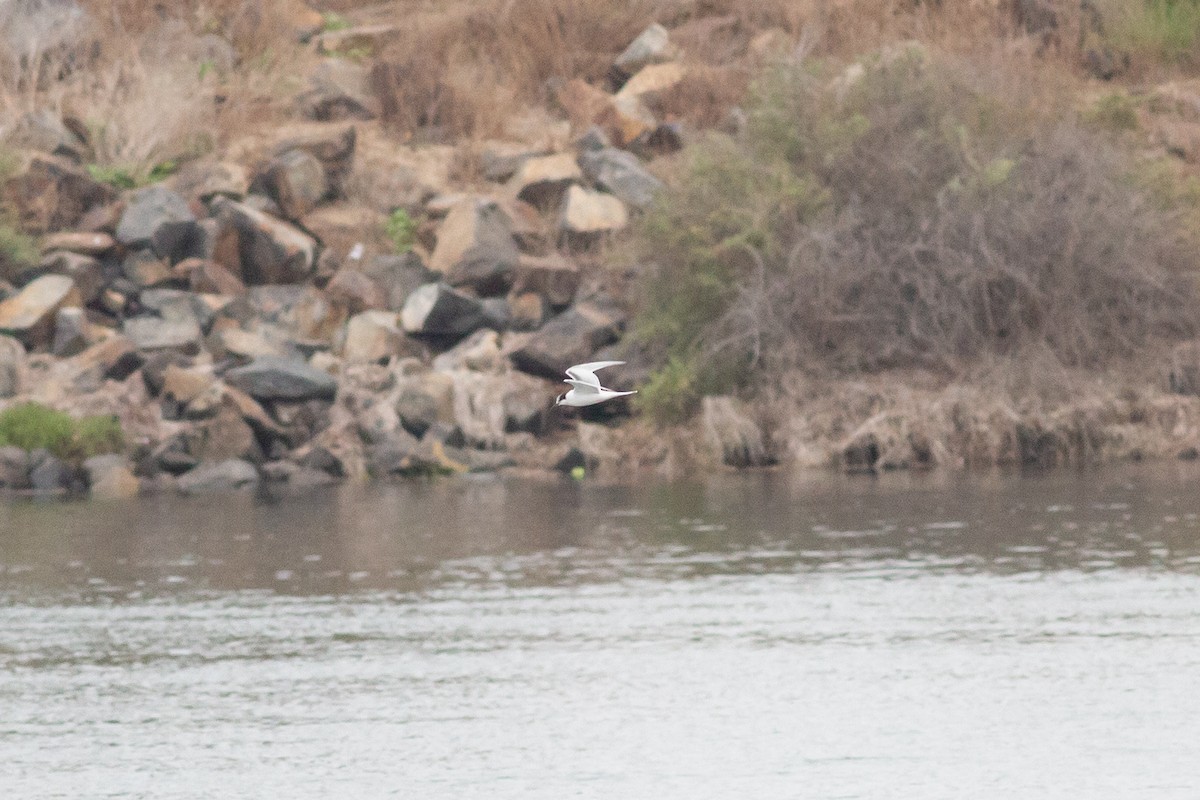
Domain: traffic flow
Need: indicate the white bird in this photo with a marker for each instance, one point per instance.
(585, 386)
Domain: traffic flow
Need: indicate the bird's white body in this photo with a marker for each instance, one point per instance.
(585, 386)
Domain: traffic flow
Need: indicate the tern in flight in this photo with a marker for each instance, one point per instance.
(585, 386)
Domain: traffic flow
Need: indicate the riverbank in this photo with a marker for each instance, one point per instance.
(281, 248)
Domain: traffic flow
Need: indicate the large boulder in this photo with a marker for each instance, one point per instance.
(296, 181)
(276, 378)
(587, 214)
(541, 181)
(652, 46)
(339, 91)
(29, 314)
(475, 247)
(570, 338)
(553, 277)
(265, 250)
(149, 210)
(436, 309)
(52, 194)
(333, 148)
(621, 173)
(398, 277)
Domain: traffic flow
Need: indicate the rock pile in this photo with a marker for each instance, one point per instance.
(223, 320)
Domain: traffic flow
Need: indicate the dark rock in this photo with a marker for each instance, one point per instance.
(594, 138)
(219, 476)
(51, 194)
(264, 249)
(275, 378)
(147, 210)
(475, 247)
(209, 277)
(334, 149)
(446, 434)
(179, 241)
(116, 358)
(70, 332)
(570, 338)
(573, 459)
(398, 453)
(526, 407)
(321, 459)
(436, 309)
(496, 314)
(622, 174)
(49, 474)
(14, 468)
(170, 456)
(542, 181)
(44, 131)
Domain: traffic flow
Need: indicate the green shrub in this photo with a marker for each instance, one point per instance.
(401, 230)
(32, 426)
(907, 215)
(119, 177)
(1164, 30)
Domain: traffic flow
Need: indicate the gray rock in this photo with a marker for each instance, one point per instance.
(275, 378)
(418, 411)
(475, 247)
(156, 333)
(12, 364)
(541, 181)
(652, 46)
(496, 313)
(333, 148)
(320, 458)
(49, 474)
(398, 277)
(179, 241)
(178, 305)
(570, 338)
(622, 174)
(296, 181)
(70, 332)
(14, 468)
(218, 476)
(266, 250)
(436, 309)
(148, 210)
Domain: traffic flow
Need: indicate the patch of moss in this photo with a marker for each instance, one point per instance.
(33, 426)
(401, 230)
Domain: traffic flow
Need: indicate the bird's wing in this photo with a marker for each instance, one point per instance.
(583, 387)
(587, 372)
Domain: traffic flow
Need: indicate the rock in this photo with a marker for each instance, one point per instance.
(586, 213)
(52, 194)
(733, 436)
(86, 272)
(110, 478)
(179, 241)
(372, 337)
(570, 338)
(436, 309)
(246, 345)
(115, 358)
(146, 269)
(70, 332)
(527, 311)
(496, 314)
(29, 315)
(622, 174)
(418, 411)
(356, 291)
(265, 250)
(475, 247)
(594, 138)
(178, 305)
(205, 180)
(653, 79)
(652, 46)
(147, 210)
(626, 119)
(339, 92)
(296, 181)
(275, 378)
(14, 468)
(333, 148)
(43, 130)
(205, 276)
(82, 242)
(184, 384)
(553, 277)
(479, 352)
(149, 333)
(397, 277)
(542, 181)
(226, 436)
(526, 402)
(218, 476)
(500, 161)
(12, 364)
(49, 474)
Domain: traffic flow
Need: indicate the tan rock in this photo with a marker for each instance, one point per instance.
(266, 250)
(588, 212)
(475, 246)
(184, 384)
(29, 314)
(373, 336)
(244, 344)
(652, 46)
(542, 181)
(653, 79)
(625, 119)
(82, 242)
(208, 179)
(552, 277)
(204, 275)
(355, 290)
(296, 181)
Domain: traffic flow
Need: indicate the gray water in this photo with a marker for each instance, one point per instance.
(750, 637)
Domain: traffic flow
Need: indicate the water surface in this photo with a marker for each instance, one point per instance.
(752, 636)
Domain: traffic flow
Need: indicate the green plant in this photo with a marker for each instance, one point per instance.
(32, 426)
(401, 230)
(333, 21)
(1115, 111)
(1166, 30)
(119, 177)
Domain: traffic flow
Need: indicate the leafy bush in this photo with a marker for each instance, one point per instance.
(401, 229)
(32, 426)
(900, 215)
